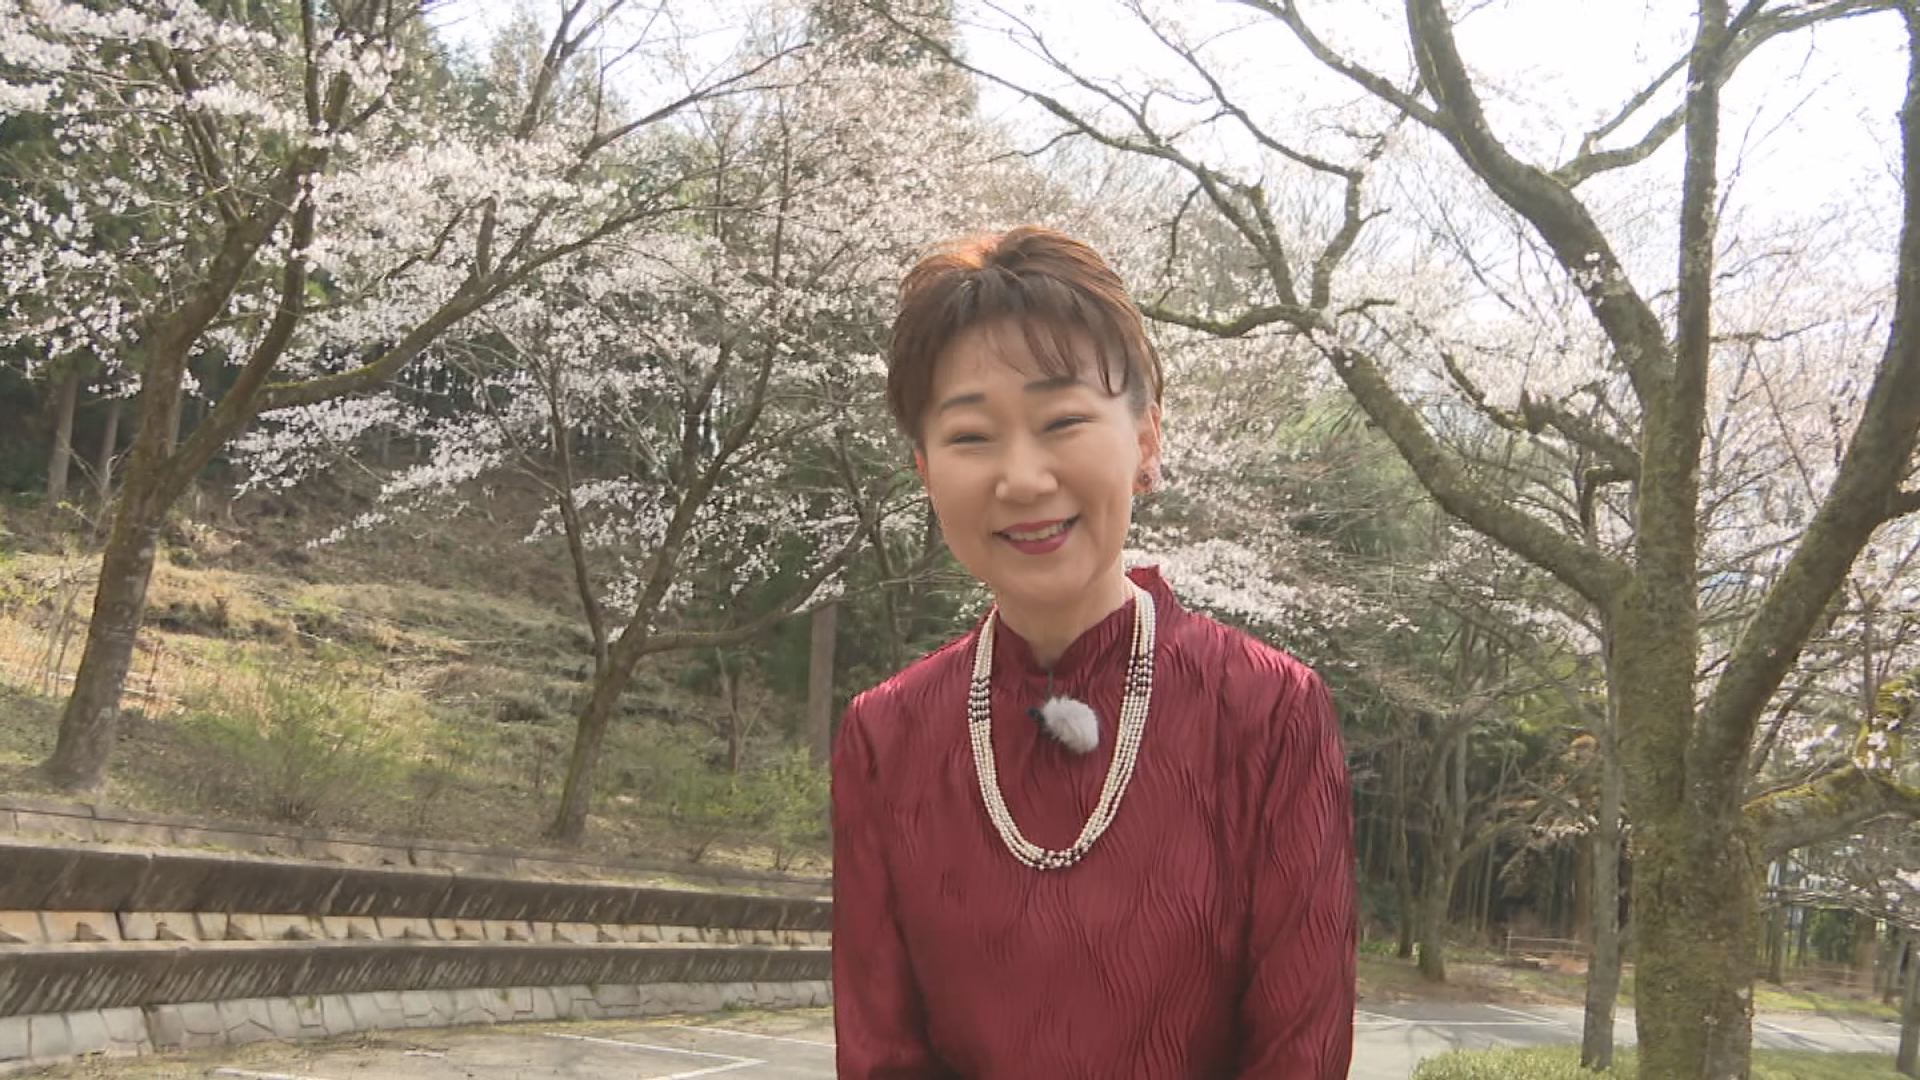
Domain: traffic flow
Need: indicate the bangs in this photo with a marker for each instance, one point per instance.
(1071, 308)
(1065, 336)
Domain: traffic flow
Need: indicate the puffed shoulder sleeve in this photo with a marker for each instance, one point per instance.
(879, 1018)
(1297, 1014)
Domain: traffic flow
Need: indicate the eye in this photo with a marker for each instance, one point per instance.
(965, 438)
(1066, 422)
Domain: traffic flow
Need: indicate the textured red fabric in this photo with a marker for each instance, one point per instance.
(1210, 932)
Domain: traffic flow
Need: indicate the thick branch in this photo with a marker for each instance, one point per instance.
(376, 372)
(1902, 503)
(1538, 414)
(1589, 572)
(1291, 316)
(1830, 807)
(734, 635)
(1549, 206)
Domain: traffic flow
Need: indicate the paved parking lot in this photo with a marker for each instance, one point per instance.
(1389, 1041)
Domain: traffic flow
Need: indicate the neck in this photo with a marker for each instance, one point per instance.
(1048, 630)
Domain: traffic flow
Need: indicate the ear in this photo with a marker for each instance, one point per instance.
(920, 463)
(1149, 475)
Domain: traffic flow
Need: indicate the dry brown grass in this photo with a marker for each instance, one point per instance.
(473, 690)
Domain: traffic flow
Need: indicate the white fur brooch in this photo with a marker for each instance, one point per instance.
(1071, 721)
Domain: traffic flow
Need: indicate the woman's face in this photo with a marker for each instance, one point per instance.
(1032, 478)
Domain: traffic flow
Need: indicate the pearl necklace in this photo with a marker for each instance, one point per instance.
(1133, 723)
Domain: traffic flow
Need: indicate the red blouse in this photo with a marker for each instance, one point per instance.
(1208, 934)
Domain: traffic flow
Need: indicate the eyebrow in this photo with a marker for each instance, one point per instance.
(1038, 386)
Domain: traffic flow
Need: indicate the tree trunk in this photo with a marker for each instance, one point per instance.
(570, 824)
(1907, 1061)
(1486, 891)
(1433, 920)
(1402, 855)
(1866, 941)
(91, 718)
(1443, 855)
(1581, 898)
(1886, 965)
(109, 445)
(560, 430)
(1603, 967)
(820, 682)
(736, 724)
(1777, 944)
(1695, 918)
(60, 461)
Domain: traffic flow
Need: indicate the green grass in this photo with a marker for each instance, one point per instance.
(1474, 975)
(1770, 998)
(1563, 1063)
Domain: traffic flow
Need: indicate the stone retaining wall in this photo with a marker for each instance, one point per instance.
(44, 1039)
(37, 876)
(111, 949)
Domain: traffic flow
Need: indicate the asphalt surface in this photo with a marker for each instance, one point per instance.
(1388, 1041)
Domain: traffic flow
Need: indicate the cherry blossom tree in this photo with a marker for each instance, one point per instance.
(1303, 192)
(726, 371)
(308, 215)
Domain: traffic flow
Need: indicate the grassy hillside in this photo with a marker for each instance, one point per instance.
(419, 680)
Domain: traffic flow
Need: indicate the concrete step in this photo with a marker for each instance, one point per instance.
(83, 927)
(92, 976)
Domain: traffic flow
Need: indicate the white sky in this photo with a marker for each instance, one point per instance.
(1810, 118)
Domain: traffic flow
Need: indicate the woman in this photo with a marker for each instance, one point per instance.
(1099, 835)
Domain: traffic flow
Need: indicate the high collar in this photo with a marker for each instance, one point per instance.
(1013, 656)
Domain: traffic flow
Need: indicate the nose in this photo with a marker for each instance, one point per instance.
(1026, 473)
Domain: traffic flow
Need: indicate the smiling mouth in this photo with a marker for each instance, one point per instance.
(1035, 536)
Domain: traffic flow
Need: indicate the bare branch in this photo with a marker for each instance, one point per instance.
(1374, 84)
(1538, 414)
(1591, 161)
(660, 642)
(1865, 488)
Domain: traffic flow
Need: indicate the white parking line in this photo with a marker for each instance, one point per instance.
(248, 1074)
(750, 1035)
(1529, 1017)
(1775, 1029)
(732, 1061)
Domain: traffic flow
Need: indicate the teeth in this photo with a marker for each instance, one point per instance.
(1043, 534)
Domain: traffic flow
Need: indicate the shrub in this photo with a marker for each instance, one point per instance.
(305, 743)
(792, 793)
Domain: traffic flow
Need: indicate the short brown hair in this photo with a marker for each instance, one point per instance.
(1054, 286)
